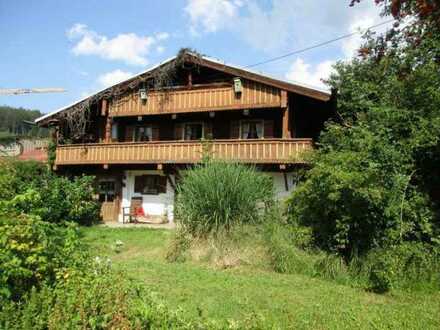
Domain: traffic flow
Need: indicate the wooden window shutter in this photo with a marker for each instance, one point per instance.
(162, 184)
(268, 129)
(129, 130)
(178, 131)
(208, 130)
(155, 133)
(235, 129)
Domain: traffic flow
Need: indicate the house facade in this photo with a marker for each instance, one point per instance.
(139, 136)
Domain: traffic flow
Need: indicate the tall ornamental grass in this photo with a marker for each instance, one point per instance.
(215, 196)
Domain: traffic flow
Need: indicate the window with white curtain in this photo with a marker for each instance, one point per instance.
(252, 129)
(143, 133)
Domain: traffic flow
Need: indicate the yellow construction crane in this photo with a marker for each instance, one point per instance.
(19, 91)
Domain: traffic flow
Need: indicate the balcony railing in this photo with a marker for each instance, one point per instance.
(199, 98)
(270, 151)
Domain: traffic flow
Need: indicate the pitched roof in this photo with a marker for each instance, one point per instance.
(294, 87)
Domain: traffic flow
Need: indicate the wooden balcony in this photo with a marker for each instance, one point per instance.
(267, 151)
(212, 97)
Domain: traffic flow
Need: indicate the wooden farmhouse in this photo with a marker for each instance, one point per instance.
(138, 136)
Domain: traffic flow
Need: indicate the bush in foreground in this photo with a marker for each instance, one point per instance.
(28, 187)
(99, 298)
(216, 196)
(33, 253)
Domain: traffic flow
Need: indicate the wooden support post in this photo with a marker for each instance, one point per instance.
(55, 134)
(283, 99)
(190, 80)
(108, 122)
(104, 107)
(286, 114)
(108, 130)
(286, 124)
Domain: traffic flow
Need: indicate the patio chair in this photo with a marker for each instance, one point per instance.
(130, 213)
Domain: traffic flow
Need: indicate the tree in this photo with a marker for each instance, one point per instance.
(375, 178)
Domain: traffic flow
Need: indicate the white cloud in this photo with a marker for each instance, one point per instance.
(113, 77)
(162, 36)
(129, 47)
(358, 23)
(211, 15)
(277, 25)
(302, 72)
(160, 49)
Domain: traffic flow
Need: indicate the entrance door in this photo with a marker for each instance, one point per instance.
(109, 201)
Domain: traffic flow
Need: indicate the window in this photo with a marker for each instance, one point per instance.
(106, 191)
(150, 184)
(252, 129)
(143, 133)
(193, 131)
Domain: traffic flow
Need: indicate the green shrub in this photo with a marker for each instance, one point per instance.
(34, 190)
(215, 196)
(18, 176)
(101, 299)
(34, 252)
(354, 203)
(403, 266)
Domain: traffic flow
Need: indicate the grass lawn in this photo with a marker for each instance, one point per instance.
(285, 301)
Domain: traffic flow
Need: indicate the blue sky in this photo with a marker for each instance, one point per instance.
(85, 45)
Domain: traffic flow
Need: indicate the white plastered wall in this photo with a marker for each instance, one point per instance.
(156, 205)
(280, 186)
